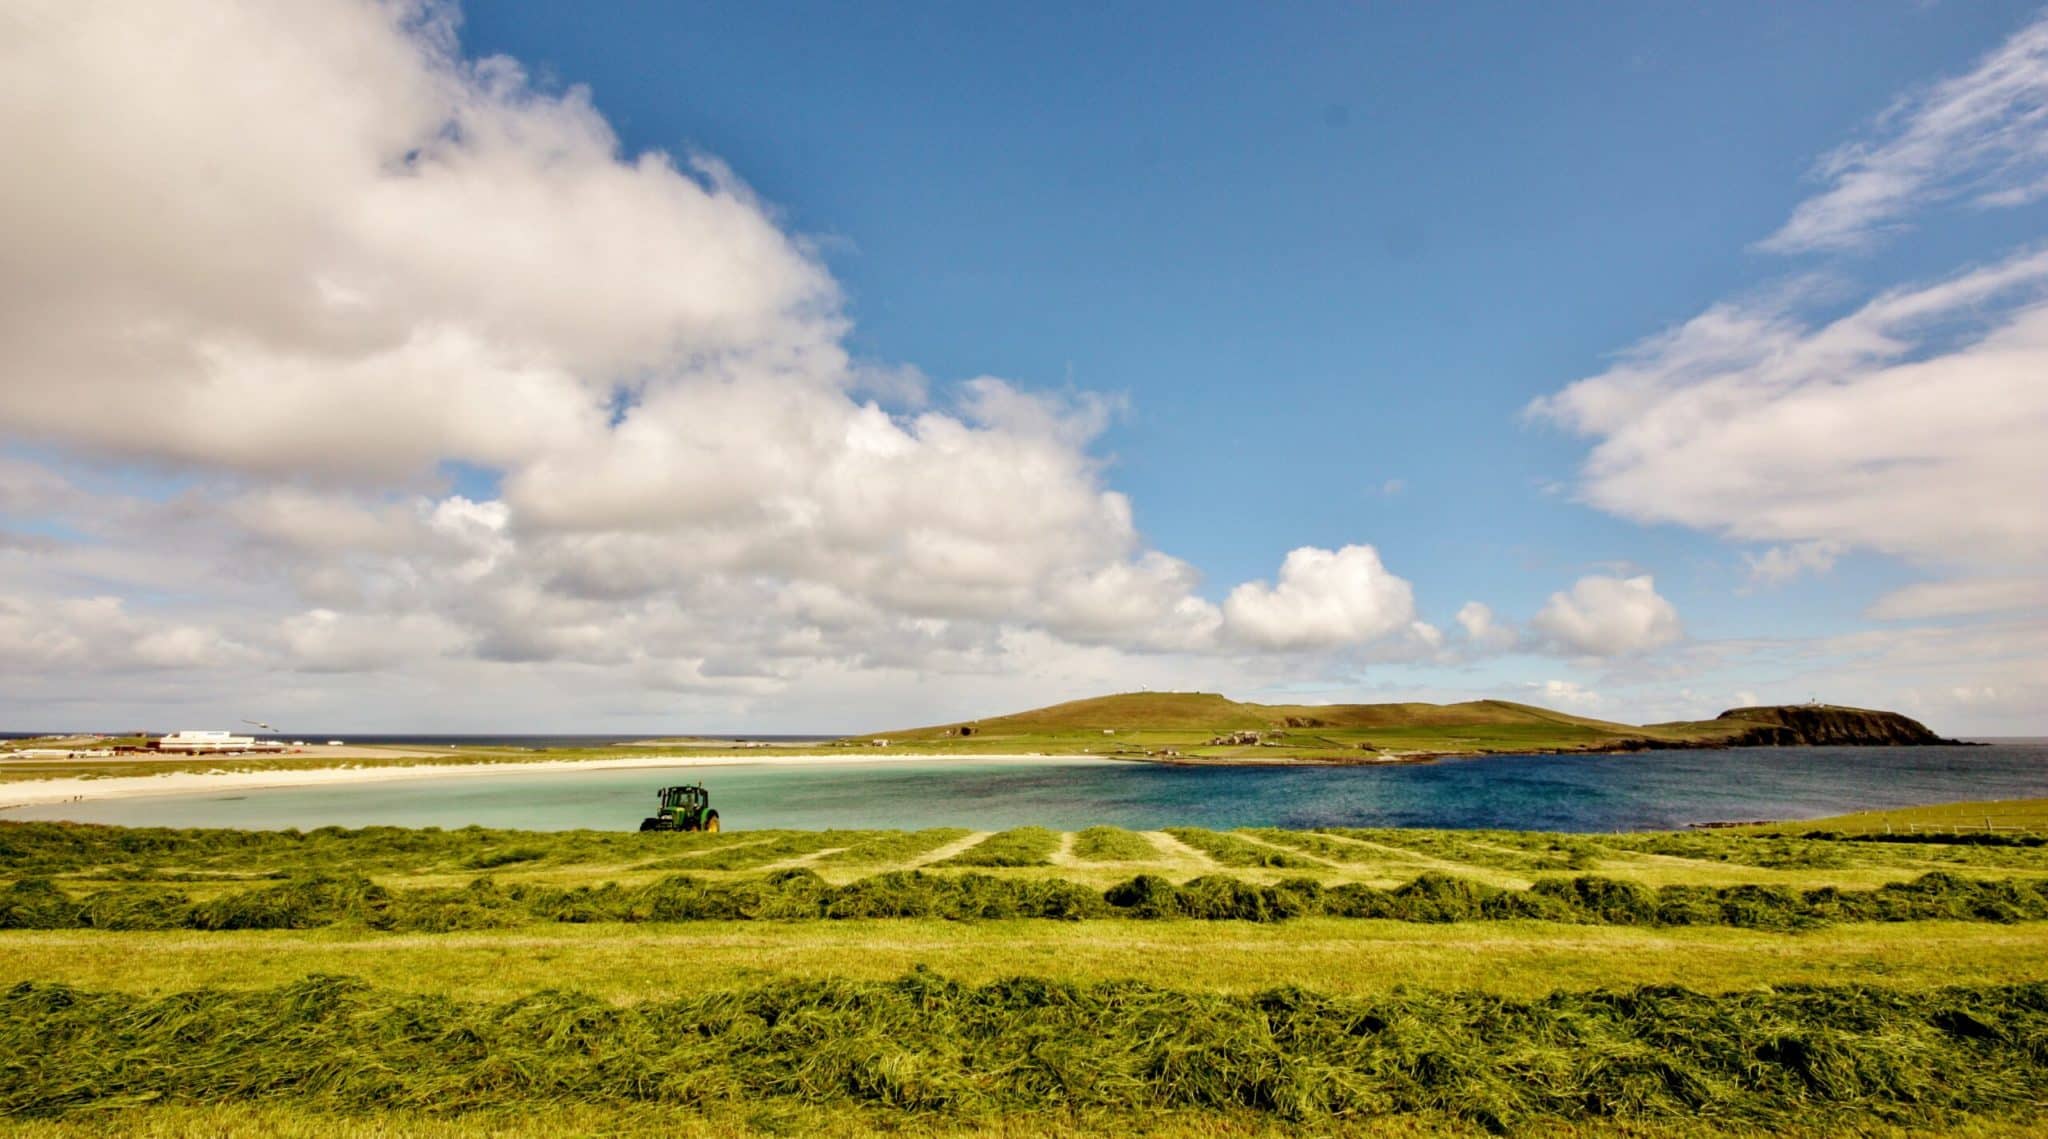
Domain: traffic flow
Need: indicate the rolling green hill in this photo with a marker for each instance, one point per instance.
(1206, 726)
(1200, 711)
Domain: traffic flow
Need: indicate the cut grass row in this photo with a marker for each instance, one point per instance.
(835, 847)
(275, 1120)
(923, 1047)
(1482, 848)
(206, 863)
(803, 895)
(1113, 844)
(894, 848)
(1231, 850)
(1023, 846)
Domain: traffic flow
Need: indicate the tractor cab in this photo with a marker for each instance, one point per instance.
(685, 808)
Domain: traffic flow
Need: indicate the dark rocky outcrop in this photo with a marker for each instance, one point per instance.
(1826, 725)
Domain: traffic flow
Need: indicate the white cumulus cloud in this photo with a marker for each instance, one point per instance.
(312, 236)
(1324, 598)
(1608, 616)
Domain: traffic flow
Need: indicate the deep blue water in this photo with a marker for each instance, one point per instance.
(1570, 793)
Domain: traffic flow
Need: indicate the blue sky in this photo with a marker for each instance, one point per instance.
(1314, 279)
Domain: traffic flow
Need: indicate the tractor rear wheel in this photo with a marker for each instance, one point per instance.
(711, 821)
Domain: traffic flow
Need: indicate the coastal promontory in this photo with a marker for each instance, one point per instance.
(1205, 727)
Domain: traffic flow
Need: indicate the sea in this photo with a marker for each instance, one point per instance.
(1584, 793)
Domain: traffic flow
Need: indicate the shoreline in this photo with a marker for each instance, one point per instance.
(68, 789)
(71, 789)
(454, 764)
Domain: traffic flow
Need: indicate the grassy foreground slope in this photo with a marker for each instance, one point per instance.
(927, 1046)
(1254, 982)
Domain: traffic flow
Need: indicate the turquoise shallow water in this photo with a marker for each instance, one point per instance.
(1570, 793)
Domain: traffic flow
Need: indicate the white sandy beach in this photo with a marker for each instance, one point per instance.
(39, 791)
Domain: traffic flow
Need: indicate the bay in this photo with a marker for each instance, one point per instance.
(1587, 793)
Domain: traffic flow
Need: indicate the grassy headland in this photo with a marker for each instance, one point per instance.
(1199, 727)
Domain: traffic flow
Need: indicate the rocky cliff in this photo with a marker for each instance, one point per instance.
(1823, 725)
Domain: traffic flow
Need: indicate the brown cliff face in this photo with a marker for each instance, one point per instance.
(1825, 725)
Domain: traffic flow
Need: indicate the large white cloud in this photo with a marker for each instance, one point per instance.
(1324, 598)
(311, 236)
(1607, 616)
(1910, 426)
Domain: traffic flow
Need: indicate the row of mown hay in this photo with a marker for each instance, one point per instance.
(803, 895)
(1502, 850)
(55, 848)
(1849, 1057)
(1019, 846)
(29, 849)
(1113, 844)
(1230, 850)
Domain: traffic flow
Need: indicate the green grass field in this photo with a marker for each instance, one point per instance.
(2005, 816)
(1187, 982)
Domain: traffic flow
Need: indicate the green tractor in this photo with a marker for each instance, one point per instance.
(686, 808)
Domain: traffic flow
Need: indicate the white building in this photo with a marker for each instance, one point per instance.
(193, 743)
